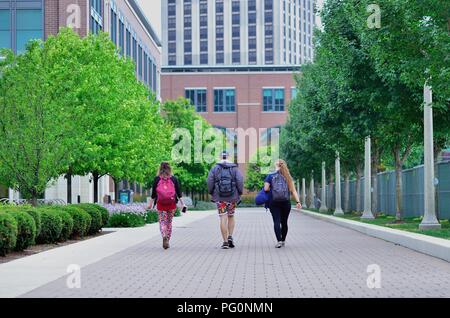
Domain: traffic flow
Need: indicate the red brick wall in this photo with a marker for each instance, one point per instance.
(248, 87)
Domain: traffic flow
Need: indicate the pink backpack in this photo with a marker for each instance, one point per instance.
(165, 191)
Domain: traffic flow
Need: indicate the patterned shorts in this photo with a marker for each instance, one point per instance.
(226, 208)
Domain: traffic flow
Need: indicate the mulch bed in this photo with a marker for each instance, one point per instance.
(35, 249)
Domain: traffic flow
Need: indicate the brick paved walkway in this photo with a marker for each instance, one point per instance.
(320, 260)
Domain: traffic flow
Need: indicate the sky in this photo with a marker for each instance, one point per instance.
(152, 9)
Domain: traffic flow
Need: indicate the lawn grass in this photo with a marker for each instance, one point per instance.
(407, 224)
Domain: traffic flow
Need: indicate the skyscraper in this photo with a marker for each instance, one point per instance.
(237, 32)
(236, 59)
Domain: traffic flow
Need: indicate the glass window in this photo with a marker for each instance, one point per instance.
(224, 100)
(219, 7)
(29, 26)
(113, 26)
(203, 46)
(273, 99)
(203, 58)
(188, 59)
(155, 84)
(252, 57)
(150, 73)
(172, 47)
(172, 23)
(252, 18)
(5, 29)
(135, 52)
(252, 30)
(219, 58)
(172, 60)
(145, 68)
(203, 33)
(128, 43)
(187, 47)
(140, 61)
(236, 44)
(121, 37)
(197, 98)
(236, 56)
(172, 35)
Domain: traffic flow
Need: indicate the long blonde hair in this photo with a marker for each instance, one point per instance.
(284, 170)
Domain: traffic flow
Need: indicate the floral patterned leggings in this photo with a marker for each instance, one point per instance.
(165, 223)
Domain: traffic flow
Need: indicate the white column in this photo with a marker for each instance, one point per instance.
(338, 209)
(430, 220)
(323, 197)
(367, 214)
(311, 192)
(304, 193)
(10, 195)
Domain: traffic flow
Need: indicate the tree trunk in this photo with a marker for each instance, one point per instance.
(359, 173)
(34, 198)
(69, 187)
(96, 177)
(398, 185)
(347, 192)
(116, 189)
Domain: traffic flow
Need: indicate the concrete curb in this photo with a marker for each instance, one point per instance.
(425, 244)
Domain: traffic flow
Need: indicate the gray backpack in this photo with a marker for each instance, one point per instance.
(280, 188)
(226, 181)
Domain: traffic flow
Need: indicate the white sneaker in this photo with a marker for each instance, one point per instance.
(283, 244)
(279, 245)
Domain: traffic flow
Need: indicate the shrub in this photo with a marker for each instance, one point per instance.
(52, 226)
(177, 212)
(126, 220)
(81, 220)
(67, 225)
(8, 233)
(26, 229)
(36, 215)
(151, 217)
(105, 214)
(96, 217)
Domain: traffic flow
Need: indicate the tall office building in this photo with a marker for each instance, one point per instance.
(235, 59)
(129, 29)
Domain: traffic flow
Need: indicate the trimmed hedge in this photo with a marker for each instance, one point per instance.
(52, 226)
(81, 220)
(126, 220)
(103, 211)
(26, 229)
(105, 214)
(96, 216)
(8, 233)
(36, 215)
(67, 226)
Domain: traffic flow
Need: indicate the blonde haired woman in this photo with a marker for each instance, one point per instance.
(280, 186)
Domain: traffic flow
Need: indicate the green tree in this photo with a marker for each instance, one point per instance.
(180, 114)
(260, 165)
(122, 133)
(37, 118)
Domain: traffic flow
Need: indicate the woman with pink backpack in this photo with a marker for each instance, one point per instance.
(166, 193)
